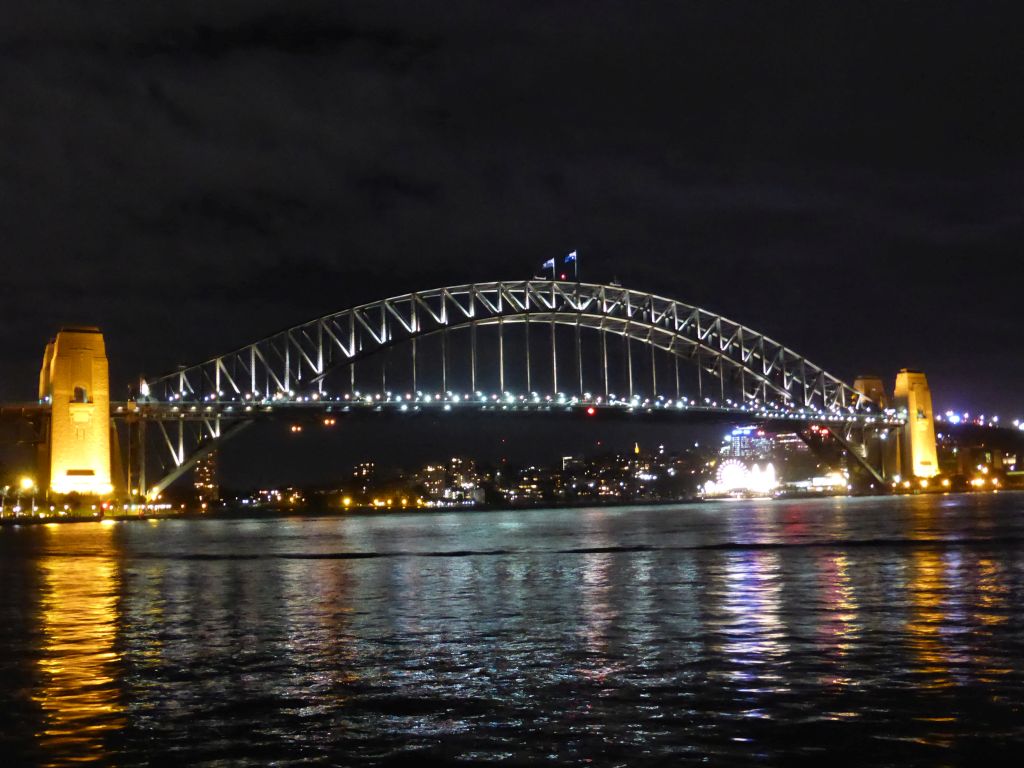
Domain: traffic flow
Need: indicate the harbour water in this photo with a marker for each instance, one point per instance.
(875, 631)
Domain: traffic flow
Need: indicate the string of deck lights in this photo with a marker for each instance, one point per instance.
(252, 400)
(588, 402)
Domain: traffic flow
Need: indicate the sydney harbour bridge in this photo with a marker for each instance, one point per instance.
(541, 347)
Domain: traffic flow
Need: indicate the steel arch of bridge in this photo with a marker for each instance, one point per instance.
(197, 408)
(295, 362)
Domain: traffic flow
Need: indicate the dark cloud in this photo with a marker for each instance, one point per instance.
(191, 175)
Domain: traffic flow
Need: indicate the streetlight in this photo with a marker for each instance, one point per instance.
(28, 485)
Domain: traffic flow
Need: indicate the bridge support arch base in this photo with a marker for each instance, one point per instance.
(189, 461)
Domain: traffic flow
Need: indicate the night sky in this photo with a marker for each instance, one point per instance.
(192, 176)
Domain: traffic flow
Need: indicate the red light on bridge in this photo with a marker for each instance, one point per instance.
(591, 410)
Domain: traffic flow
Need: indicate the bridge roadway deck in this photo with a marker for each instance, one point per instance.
(572, 407)
(23, 410)
(662, 410)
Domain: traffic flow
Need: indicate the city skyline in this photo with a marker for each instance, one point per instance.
(800, 461)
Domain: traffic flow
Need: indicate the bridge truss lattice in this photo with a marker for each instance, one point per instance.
(511, 344)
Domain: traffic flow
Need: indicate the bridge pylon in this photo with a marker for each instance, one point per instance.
(918, 450)
(909, 451)
(879, 446)
(75, 457)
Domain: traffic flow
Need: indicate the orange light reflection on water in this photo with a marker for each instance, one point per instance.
(990, 611)
(927, 592)
(77, 689)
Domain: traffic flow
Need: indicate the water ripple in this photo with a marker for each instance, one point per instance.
(745, 634)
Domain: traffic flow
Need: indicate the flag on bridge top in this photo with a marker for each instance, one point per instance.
(571, 258)
(549, 264)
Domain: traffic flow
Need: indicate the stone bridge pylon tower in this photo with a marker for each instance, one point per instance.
(917, 447)
(75, 457)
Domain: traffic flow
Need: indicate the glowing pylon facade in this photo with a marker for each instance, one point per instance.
(74, 379)
(918, 451)
(873, 387)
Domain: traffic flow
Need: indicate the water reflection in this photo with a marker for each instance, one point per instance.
(989, 616)
(598, 613)
(927, 588)
(738, 634)
(753, 630)
(839, 629)
(599, 604)
(77, 688)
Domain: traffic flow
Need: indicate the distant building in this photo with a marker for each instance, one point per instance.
(456, 482)
(748, 444)
(573, 463)
(205, 480)
(434, 479)
(364, 475)
(533, 484)
(790, 441)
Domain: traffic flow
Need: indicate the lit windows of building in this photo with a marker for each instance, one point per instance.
(205, 481)
(750, 443)
(364, 474)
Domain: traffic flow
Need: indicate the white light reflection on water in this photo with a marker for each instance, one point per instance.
(751, 632)
(840, 628)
